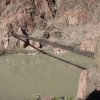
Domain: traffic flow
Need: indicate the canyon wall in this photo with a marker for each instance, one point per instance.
(50, 16)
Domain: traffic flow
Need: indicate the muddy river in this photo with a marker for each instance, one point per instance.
(22, 77)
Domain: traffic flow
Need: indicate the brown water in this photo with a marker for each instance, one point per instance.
(24, 76)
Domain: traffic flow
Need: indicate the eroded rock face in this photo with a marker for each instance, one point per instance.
(89, 82)
(78, 12)
(44, 15)
(28, 14)
(88, 45)
(90, 79)
(81, 94)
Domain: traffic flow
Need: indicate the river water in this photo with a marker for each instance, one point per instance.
(22, 77)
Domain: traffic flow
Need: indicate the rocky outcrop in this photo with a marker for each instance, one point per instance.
(27, 14)
(78, 12)
(88, 45)
(89, 81)
(46, 16)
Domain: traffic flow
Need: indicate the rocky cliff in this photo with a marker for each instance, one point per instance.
(74, 22)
